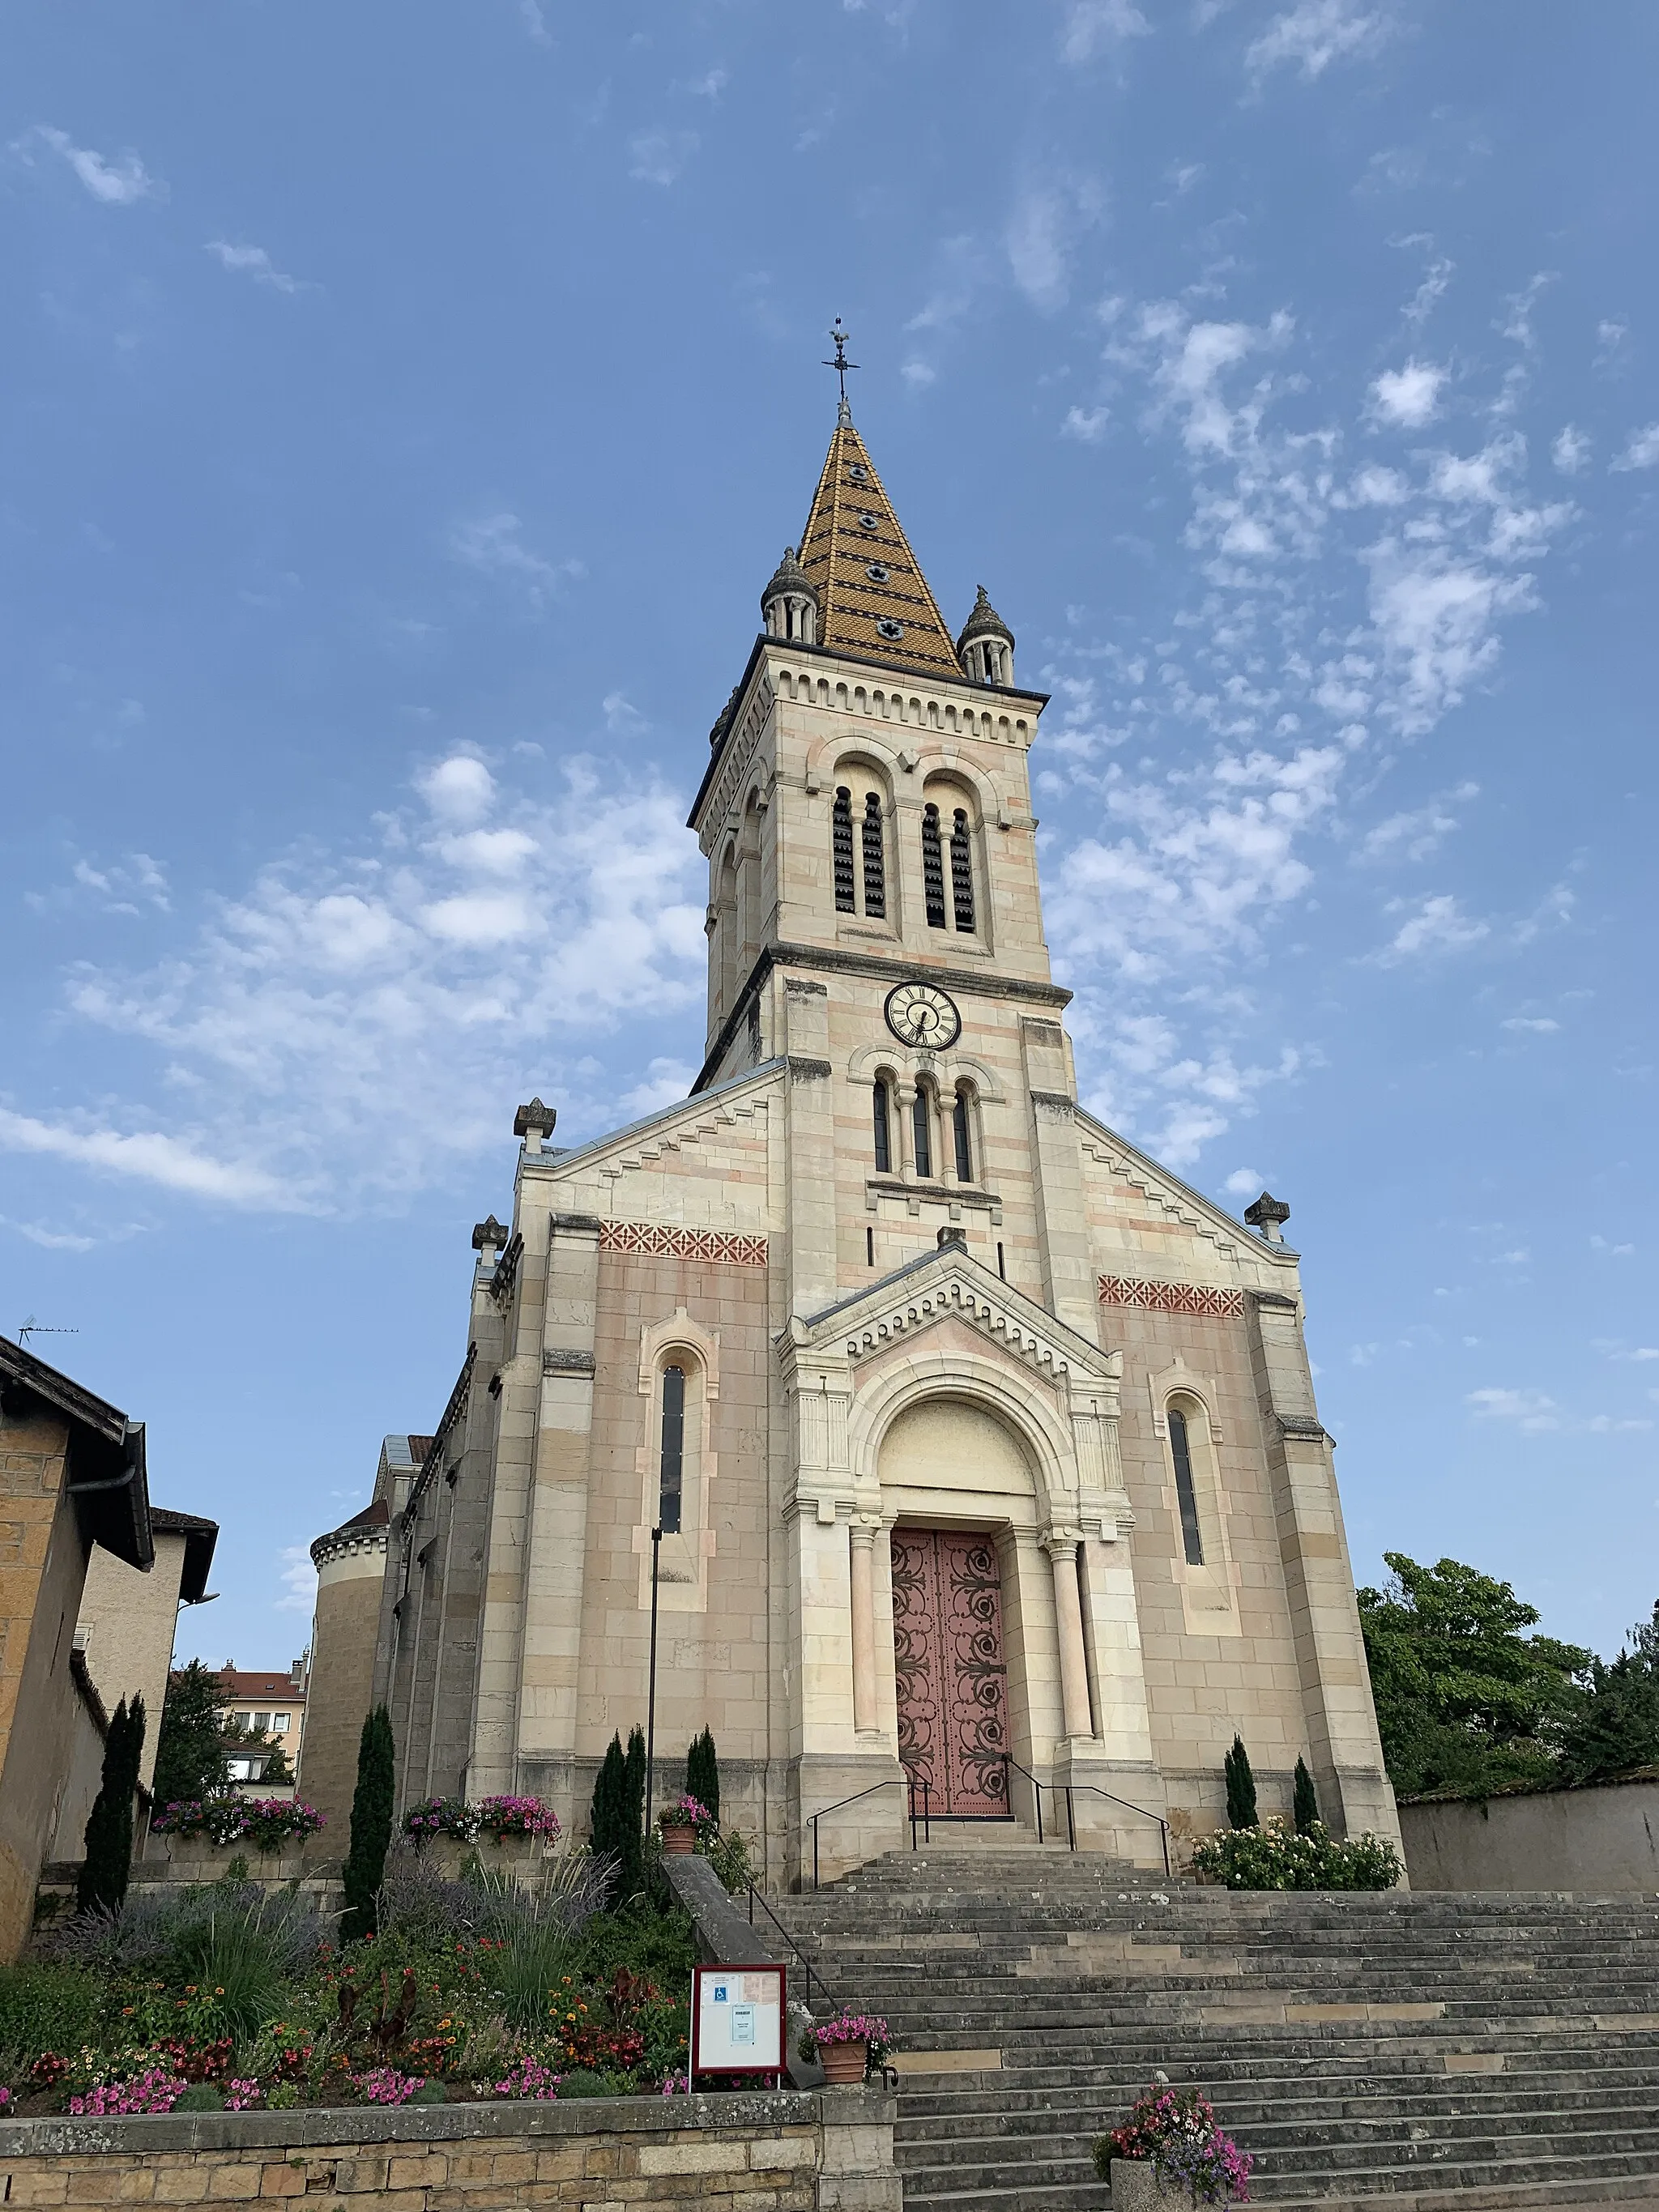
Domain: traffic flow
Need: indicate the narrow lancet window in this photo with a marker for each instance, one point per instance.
(921, 1129)
(1180, 1452)
(875, 866)
(933, 867)
(962, 871)
(673, 1451)
(841, 849)
(884, 1132)
(959, 1128)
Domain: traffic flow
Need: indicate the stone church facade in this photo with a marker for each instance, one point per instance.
(984, 1451)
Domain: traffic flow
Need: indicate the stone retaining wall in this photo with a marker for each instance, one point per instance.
(827, 2151)
(1602, 1837)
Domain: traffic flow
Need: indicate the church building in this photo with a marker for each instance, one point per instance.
(983, 1450)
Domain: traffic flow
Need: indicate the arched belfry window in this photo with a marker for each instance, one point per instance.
(875, 865)
(962, 870)
(670, 1477)
(841, 841)
(921, 1131)
(961, 1134)
(933, 866)
(1180, 1452)
(883, 1128)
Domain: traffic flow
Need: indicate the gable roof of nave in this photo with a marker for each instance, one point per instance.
(1129, 1169)
(688, 1121)
(947, 1284)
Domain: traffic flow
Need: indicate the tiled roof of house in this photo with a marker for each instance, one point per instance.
(248, 1682)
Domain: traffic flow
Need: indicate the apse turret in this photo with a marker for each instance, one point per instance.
(790, 602)
(985, 647)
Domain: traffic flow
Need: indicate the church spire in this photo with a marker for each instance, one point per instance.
(873, 601)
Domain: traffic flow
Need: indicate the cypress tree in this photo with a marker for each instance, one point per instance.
(102, 1882)
(1304, 1806)
(1241, 1787)
(631, 1840)
(702, 1773)
(605, 1830)
(371, 1826)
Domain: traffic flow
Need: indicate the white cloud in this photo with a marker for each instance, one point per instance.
(147, 1156)
(494, 546)
(1415, 834)
(350, 1024)
(1087, 425)
(711, 84)
(1572, 450)
(1435, 925)
(1530, 1410)
(298, 1580)
(1435, 613)
(52, 1240)
(535, 23)
(1537, 1025)
(665, 1083)
(1642, 451)
(1040, 233)
(1406, 398)
(117, 183)
(1315, 33)
(1244, 1182)
(659, 157)
(252, 261)
(1604, 1424)
(918, 375)
(1093, 26)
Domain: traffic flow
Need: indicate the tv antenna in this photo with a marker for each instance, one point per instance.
(33, 1328)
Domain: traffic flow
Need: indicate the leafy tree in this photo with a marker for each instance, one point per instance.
(1305, 1804)
(631, 1841)
(1241, 1787)
(702, 1773)
(371, 1826)
(191, 1760)
(1617, 1725)
(1464, 1699)
(103, 1883)
(277, 1768)
(605, 1826)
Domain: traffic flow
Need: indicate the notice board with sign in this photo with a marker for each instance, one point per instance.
(737, 2019)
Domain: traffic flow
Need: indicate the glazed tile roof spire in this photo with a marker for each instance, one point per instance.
(873, 600)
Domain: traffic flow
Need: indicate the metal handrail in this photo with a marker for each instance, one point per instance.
(906, 1781)
(755, 1898)
(1094, 1790)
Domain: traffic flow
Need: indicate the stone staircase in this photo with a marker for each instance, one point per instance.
(1426, 2049)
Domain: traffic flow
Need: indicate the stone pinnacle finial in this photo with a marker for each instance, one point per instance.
(1268, 1215)
(489, 1236)
(533, 1122)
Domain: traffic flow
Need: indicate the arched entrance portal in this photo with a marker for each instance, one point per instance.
(957, 1478)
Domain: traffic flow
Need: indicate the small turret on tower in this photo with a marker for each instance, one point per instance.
(985, 647)
(789, 604)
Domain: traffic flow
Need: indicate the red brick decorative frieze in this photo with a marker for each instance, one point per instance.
(725, 1247)
(1171, 1298)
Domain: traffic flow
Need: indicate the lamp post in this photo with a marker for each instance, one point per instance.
(651, 1695)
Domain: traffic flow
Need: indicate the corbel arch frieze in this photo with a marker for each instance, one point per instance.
(947, 1069)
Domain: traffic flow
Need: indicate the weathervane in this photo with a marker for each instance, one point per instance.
(840, 364)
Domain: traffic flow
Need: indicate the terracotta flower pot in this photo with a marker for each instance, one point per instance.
(679, 1840)
(844, 2064)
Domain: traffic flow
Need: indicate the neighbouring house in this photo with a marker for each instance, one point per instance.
(72, 1477)
(129, 1620)
(262, 1708)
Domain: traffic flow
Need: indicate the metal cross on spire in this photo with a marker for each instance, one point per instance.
(840, 364)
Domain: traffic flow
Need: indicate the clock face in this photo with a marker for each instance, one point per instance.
(921, 1014)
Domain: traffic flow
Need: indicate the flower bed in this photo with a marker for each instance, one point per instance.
(1276, 1856)
(267, 1823)
(497, 1818)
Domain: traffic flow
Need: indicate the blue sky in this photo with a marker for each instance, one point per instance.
(403, 409)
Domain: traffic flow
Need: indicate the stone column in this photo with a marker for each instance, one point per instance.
(1069, 1612)
(863, 1535)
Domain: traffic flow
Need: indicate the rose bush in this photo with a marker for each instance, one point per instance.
(1274, 1856)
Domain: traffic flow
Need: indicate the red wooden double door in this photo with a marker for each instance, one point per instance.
(952, 1682)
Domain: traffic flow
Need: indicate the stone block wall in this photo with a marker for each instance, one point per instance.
(829, 2151)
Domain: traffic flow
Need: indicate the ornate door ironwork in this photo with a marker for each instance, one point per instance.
(952, 1684)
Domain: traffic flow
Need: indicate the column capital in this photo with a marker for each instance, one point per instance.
(1061, 1543)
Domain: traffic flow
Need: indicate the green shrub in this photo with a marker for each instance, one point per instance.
(1241, 1786)
(200, 2097)
(371, 1826)
(702, 1773)
(192, 1761)
(103, 1883)
(46, 2008)
(1276, 1858)
(1305, 1804)
(729, 1856)
(430, 2093)
(580, 2083)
